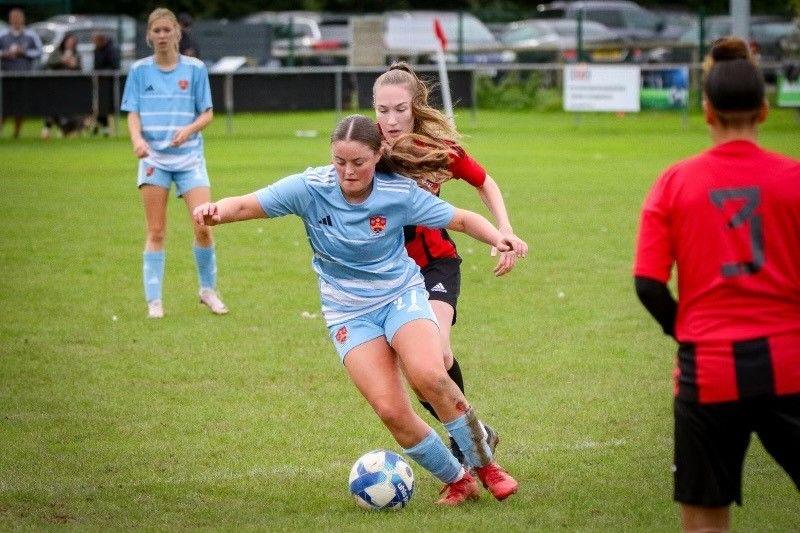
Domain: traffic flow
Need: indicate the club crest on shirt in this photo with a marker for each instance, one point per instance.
(149, 171)
(341, 335)
(377, 223)
(183, 84)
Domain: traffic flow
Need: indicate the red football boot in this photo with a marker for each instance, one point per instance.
(497, 481)
(458, 492)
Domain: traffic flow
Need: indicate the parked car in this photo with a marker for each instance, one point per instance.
(555, 40)
(121, 29)
(770, 37)
(409, 35)
(629, 20)
(307, 37)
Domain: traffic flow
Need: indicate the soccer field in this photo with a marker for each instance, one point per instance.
(110, 420)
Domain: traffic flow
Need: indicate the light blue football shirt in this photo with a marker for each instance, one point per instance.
(359, 249)
(166, 102)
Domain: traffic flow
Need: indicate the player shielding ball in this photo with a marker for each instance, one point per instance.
(729, 219)
(168, 100)
(373, 296)
(400, 99)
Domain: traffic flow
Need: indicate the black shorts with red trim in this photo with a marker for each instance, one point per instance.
(443, 281)
(711, 441)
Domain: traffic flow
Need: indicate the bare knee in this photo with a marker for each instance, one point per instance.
(394, 416)
(155, 236)
(433, 385)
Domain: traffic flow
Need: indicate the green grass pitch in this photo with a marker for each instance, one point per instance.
(108, 420)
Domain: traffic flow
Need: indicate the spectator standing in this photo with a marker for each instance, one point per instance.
(65, 58)
(187, 45)
(19, 50)
(106, 57)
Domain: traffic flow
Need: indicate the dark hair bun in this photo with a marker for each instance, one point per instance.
(729, 49)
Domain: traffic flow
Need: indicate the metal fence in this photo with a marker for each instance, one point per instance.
(48, 93)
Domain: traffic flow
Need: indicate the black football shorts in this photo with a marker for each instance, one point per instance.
(711, 441)
(443, 281)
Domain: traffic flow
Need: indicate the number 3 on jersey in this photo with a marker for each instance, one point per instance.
(750, 199)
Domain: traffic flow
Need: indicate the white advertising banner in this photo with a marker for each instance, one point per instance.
(601, 88)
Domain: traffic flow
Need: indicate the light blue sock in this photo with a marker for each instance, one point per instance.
(153, 271)
(433, 456)
(467, 431)
(206, 261)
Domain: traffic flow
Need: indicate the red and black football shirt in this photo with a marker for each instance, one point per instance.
(729, 220)
(426, 244)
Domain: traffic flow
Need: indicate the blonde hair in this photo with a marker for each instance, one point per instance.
(424, 154)
(163, 13)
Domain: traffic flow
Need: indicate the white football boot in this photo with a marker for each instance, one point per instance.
(210, 299)
(155, 309)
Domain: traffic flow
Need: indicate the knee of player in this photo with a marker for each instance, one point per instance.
(156, 233)
(432, 385)
(392, 413)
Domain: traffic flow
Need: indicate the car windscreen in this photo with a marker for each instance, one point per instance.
(524, 33)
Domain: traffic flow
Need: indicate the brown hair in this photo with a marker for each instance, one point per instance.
(424, 154)
(409, 156)
(163, 13)
(360, 129)
(428, 120)
(733, 85)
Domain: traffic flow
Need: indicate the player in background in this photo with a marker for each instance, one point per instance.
(400, 100)
(168, 100)
(729, 219)
(373, 296)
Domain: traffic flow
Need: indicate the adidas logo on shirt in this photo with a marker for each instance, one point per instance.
(149, 88)
(325, 221)
(438, 288)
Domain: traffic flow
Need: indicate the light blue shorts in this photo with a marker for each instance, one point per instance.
(384, 322)
(185, 180)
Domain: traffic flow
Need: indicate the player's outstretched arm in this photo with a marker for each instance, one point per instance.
(492, 198)
(231, 209)
(477, 227)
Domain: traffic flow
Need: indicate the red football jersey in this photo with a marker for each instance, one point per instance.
(425, 244)
(729, 218)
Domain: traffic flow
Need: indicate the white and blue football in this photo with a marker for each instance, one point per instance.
(381, 479)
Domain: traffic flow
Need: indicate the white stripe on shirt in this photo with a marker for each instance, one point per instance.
(170, 113)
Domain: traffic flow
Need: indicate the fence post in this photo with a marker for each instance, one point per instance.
(579, 46)
(702, 49)
(228, 103)
(474, 88)
(290, 59)
(460, 38)
(95, 95)
(338, 95)
(116, 103)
